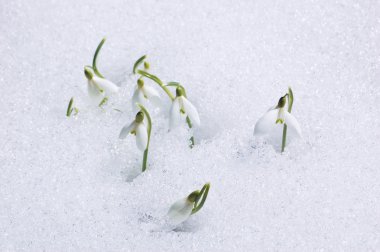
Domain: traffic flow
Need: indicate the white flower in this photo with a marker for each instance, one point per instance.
(143, 93)
(180, 211)
(98, 88)
(271, 123)
(138, 128)
(181, 107)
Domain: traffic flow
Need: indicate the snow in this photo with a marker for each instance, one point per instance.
(69, 184)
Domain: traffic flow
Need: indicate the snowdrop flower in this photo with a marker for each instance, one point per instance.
(98, 88)
(276, 117)
(143, 93)
(182, 108)
(181, 210)
(275, 124)
(137, 128)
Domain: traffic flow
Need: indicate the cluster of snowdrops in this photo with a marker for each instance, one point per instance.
(277, 120)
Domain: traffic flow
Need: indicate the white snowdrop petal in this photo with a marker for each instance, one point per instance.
(180, 211)
(191, 111)
(95, 95)
(138, 97)
(135, 97)
(108, 86)
(175, 114)
(292, 122)
(266, 123)
(150, 92)
(126, 130)
(141, 136)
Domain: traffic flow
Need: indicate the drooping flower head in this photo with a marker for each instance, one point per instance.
(181, 210)
(181, 108)
(144, 93)
(271, 124)
(98, 88)
(137, 128)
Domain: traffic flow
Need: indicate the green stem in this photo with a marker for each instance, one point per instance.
(69, 108)
(138, 62)
(203, 193)
(190, 126)
(284, 131)
(145, 157)
(96, 71)
(158, 81)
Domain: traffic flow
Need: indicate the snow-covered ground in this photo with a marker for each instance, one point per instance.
(69, 184)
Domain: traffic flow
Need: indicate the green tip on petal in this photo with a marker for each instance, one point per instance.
(279, 121)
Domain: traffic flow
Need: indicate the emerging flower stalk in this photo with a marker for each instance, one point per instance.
(181, 210)
(98, 87)
(270, 121)
(144, 93)
(141, 131)
(180, 105)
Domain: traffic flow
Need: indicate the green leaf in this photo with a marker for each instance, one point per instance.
(285, 129)
(203, 194)
(69, 107)
(94, 60)
(137, 63)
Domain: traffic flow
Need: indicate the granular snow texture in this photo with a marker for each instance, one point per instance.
(69, 184)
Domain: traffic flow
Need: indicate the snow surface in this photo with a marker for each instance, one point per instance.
(69, 184)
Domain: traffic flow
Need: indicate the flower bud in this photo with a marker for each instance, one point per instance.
(140, 83)
(139, 117)
(179, 91)
(193, 196)
(146, 65)
(89, 75)
(282, 102)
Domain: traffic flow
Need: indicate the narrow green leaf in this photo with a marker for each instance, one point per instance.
(137, 63)
(204, 193)
(94, 60)
(69, 107)
(285, 129)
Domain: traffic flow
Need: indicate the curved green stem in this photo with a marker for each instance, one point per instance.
(138, 62)
(149, 128)
(203, 193)
(176, 84)
(158, 81)
(284, 131)
(96, 71)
